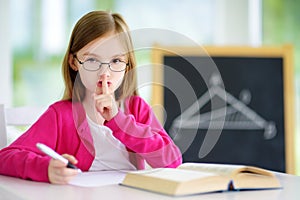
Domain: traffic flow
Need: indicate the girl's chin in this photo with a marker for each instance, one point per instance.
(96, 90)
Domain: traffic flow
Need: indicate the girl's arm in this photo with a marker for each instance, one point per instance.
(22, 159)
(141, 132)
(56, 129)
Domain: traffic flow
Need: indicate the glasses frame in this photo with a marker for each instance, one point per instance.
(100, 64)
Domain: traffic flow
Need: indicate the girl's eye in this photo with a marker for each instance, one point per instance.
(116, 61)
(91, 60)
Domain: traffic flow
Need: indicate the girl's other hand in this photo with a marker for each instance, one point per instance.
(105, 103)
(58, 173)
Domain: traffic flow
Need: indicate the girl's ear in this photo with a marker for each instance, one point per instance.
(72, 62)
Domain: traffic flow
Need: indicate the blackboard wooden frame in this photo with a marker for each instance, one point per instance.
(284, 52)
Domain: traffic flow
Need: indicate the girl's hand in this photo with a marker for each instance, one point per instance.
(105, 103)
(58, 173)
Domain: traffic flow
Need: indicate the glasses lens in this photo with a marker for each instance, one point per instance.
(118, 66)
(91, 65)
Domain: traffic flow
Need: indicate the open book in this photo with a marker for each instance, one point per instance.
(193, 178)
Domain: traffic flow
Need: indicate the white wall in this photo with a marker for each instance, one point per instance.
(5, 54)
(238, 22)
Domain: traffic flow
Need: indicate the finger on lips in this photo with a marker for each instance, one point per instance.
(104, 85)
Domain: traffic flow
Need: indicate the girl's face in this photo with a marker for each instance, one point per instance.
(107, 49)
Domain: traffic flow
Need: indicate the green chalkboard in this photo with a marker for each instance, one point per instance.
(228, 104)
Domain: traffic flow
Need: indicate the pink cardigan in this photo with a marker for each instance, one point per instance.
(64, 128)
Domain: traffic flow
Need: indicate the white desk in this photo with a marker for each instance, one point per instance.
(14, 188)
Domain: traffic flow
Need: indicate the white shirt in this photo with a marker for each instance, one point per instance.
(110, 153)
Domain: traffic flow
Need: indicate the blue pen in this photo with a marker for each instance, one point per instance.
(50, 152)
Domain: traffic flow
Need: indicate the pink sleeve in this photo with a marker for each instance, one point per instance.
(22, 158)
(141, 132)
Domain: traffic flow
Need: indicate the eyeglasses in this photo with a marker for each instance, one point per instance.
(92, 64)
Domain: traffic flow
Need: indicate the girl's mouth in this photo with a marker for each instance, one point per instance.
(99, 84)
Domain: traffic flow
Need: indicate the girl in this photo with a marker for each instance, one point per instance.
(101, 123)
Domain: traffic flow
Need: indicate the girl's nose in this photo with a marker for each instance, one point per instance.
(104, 70)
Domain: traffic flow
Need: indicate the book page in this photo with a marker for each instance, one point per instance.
(173, 174)
(221, 169)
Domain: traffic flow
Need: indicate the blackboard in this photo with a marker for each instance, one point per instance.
(227, 104)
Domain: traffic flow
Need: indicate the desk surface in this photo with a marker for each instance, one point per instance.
(14, 188)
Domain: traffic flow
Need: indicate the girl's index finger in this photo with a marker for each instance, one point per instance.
(104, 86)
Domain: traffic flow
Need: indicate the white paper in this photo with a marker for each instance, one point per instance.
(99, 178)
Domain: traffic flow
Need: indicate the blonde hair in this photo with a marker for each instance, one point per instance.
(90, 27)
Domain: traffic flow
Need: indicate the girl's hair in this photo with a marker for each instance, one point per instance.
(90, 27)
